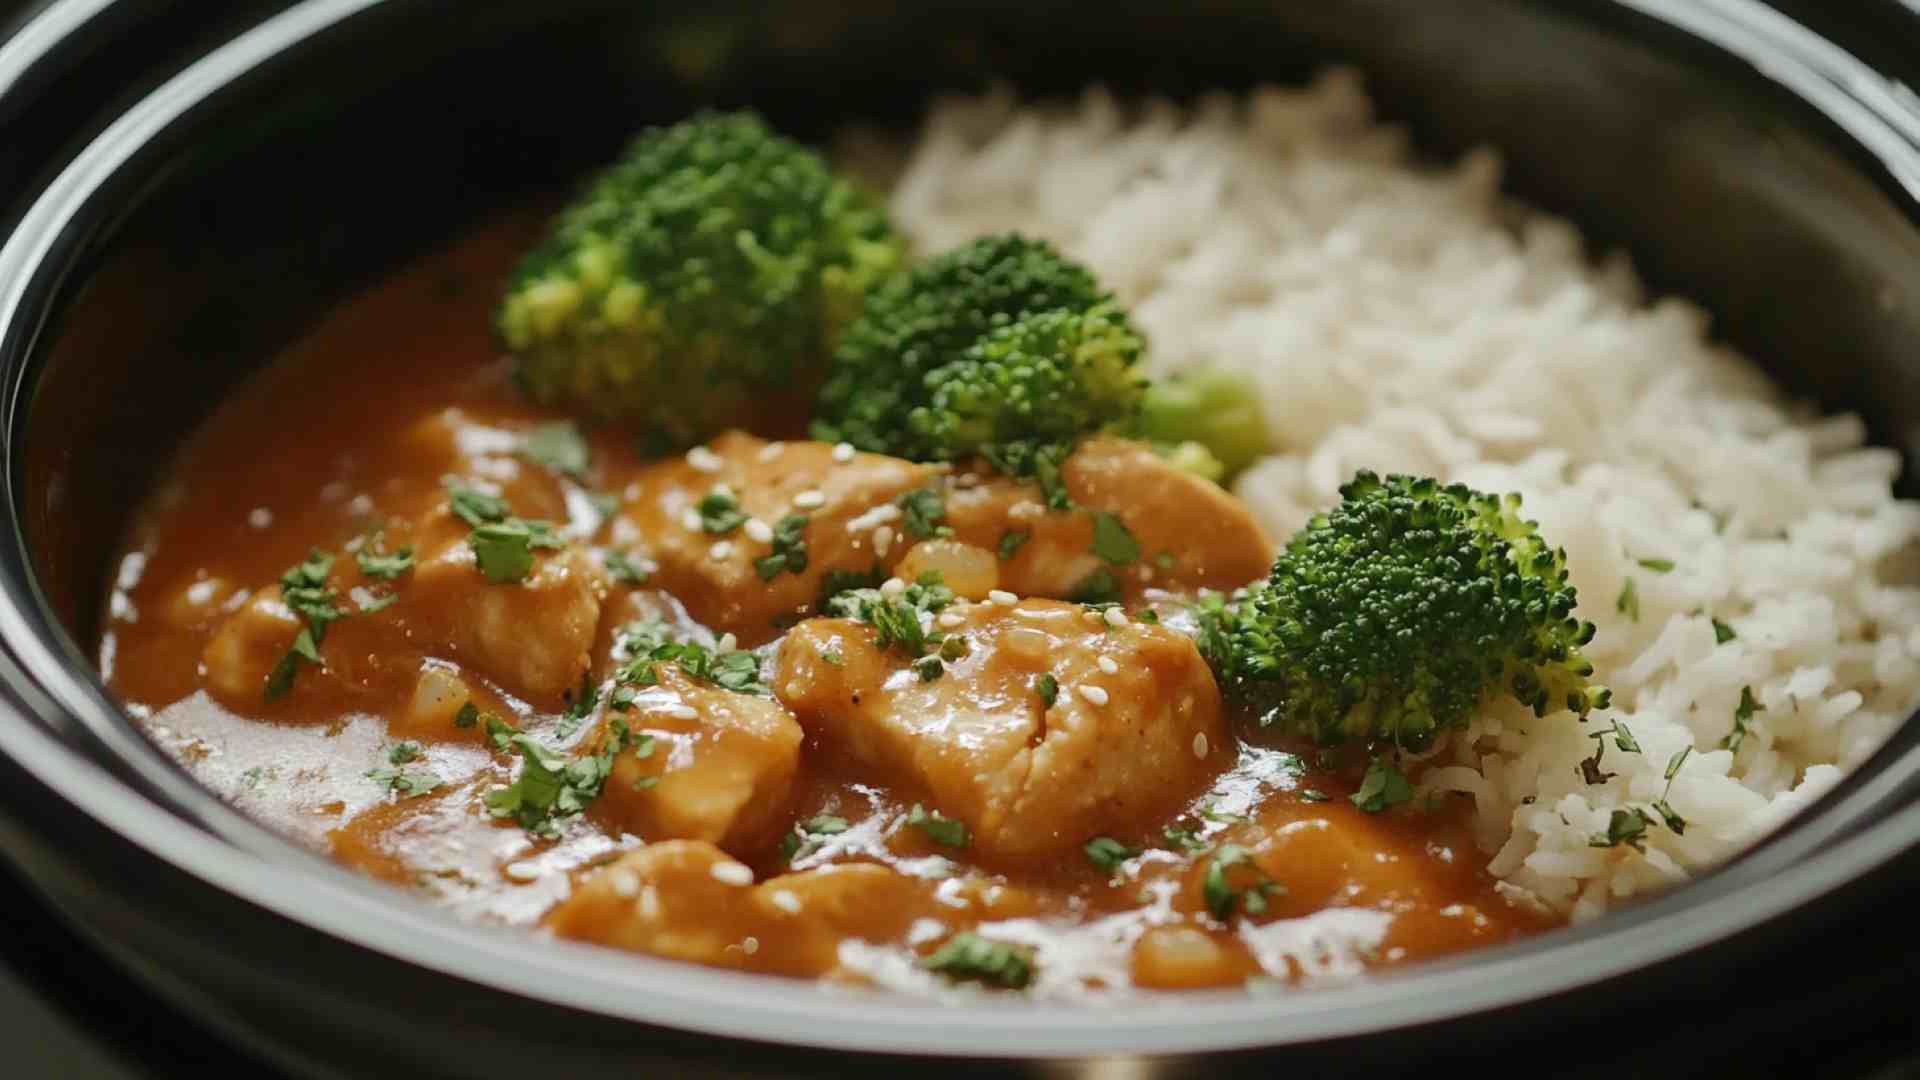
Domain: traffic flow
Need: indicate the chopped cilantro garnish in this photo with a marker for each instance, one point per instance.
(1622, 737)
(1146, 615)
(1012, 540)
(1099, 587)
(403, 752)
(499, 731)
(605, 503)
(834, 657)
(1658, 566)
(923, 510)
(1048, 688)
(468, 716)
(504, 549)
(473, 506)
(939, 829)
(1220, 892)
(896, 618)
(1742, 718)
(558, 446)
(720, 512)
(789, 552)
(1722, 633)
(580, 705)
(967, 955)
(1112, 541)
(804, 838)
(1314, 795)
(550, 788)
(1626, 826)
(624, 570)
(1107, 853)
(377, 562)
(1183, 839)
(408, 783)
(304, 589)
(650, 642)
(1381, 787)
(1628, 603)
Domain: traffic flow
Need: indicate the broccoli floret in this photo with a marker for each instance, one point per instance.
(1002, 348)
(1394, 615)
(1210, 422)
(712, 267)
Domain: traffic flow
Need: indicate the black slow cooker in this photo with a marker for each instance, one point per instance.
(183, 188)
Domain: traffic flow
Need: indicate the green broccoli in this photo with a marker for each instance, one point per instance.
(1208, 423)
(1001, 347)
(1394, 615)
(713, 266)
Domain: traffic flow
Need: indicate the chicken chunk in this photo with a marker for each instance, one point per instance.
(533, 638)
(704, 764)
(1133, 726)
(1177, 531)
(689, 901)
(852, 525)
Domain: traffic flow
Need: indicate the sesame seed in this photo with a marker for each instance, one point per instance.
(680, 711)
(750, 946)
(1200, 744)
(843, 452)
(1093, 694)
(704, 460)
(879, 515)
(727, 643)
(883, 540)
(1025, 510)
(759, 531)
(691, 519)
(1146, 572)
(731, 873)
(967, 480)
(810, 499)
(720, 551)
(1002, 596)
(259, 517)
(950, 620)
(786, 900)
(770, 451)
(523, 871)
(1108, 665)
(725, 492)
(1094, 616)
(1116, 617)
(892, 587)
(626, 883)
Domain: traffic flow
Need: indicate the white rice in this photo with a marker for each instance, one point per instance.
(1405, 317)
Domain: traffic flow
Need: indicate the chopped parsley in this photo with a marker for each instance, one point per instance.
(939, 828)
(834, 657)
(1628, 603)
(1112, 541)
(789, 552)
(304, 589)
(967, 955)
(550, 789)
(1223, 896)
(1107, 853)
(1048, 688)
(720, 512)
(1722, 633)
(1099, 587)
(1146, 615)
(407, 783)
(1622, 737)
(1183, 839)
(624, 570)
(558, 446)
(473, 506)
(1626, 826)
(1012, 541)
(503, 550)
(650, 642)
(468, 716)
(923, 510)
(376, 562)
(1667, 814)
(1742, 719)
(1381, 787)
(839, 581)
(1658, 566)
(805, 838)
(580, 705)
(403, 752)
(897, 618)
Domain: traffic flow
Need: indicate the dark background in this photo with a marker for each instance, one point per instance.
(1843, 1004)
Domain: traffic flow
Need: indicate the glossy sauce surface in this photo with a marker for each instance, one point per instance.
(700, 850)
